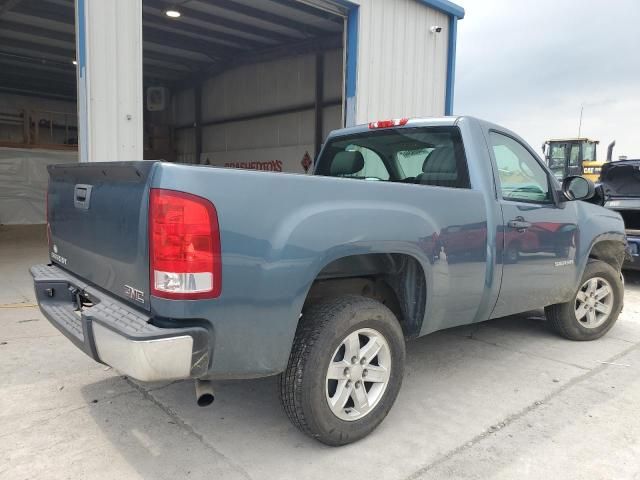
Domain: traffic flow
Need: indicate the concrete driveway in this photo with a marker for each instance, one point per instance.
(503, 399)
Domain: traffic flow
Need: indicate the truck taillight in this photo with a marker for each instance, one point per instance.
(184, 246)
(397, 122)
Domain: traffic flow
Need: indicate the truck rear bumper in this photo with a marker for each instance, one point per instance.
(633, 248)
(117, 335)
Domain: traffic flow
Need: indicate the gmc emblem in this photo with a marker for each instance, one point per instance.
(134, 294)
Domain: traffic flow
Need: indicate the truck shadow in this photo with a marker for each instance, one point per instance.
(457, 384)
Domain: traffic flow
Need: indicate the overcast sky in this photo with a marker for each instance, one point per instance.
(529, 66)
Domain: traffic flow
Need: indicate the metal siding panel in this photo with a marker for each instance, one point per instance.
(402, 66)
(185, 142)
(111, 61)
(251, 89)
(183, 111)
(261, 87)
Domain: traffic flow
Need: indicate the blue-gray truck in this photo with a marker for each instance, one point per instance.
(166, 271)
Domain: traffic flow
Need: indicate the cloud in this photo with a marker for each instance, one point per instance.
(530, 66)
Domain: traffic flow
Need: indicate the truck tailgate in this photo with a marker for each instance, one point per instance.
(97, 215)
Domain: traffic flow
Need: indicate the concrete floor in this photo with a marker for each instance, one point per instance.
(504, 399)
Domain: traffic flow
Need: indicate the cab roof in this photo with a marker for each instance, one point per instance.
(574, 139)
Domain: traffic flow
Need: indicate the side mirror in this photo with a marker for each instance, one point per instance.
(578, 188)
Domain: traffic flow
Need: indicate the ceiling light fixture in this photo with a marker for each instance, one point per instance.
(172, 12)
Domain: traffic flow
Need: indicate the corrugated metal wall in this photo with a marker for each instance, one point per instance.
(402, 66)
(279, 141)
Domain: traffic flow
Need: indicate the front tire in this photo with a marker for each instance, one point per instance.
(345, 369)
(594, 308)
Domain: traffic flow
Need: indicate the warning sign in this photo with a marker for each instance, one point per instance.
(306, 162)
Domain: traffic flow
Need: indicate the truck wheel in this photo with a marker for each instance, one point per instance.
(595, 306)
(345, 369)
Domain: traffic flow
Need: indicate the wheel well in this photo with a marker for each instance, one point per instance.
(609, 251)
(395, 280)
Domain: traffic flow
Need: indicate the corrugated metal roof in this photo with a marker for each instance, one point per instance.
(37, 38)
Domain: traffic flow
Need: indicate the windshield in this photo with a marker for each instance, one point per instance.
(426, 155)
(589, 152)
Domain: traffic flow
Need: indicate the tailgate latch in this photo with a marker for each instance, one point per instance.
(82, 196)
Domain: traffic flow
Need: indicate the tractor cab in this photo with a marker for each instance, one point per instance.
(575, 156)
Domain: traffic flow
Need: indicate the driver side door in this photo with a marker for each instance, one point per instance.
(537, 241)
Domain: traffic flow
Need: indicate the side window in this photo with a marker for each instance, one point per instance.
(522, 178)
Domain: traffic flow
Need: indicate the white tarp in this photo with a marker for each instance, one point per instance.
(23, 183)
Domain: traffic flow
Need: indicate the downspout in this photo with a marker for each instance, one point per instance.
(451, 64)
(351, 72)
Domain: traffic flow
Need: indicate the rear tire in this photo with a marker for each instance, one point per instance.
(594, 308)
(325, 392)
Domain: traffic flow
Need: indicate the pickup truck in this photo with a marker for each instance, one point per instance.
(166, 271)
(620, 181)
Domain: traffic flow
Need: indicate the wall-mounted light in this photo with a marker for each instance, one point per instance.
(75, 62)
(172, 12)
(435, 29)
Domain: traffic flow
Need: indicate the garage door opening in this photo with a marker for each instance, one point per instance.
(233, 83)
(242, 84)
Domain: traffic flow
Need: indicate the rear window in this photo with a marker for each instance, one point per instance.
(425, 155)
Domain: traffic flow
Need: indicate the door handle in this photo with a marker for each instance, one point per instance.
(519, 224)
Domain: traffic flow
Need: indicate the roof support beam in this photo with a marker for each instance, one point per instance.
(309, 10)
(25, 62)
(30, 92)
(8, 5)
(252, 12)
(55, 13)
(150, 35)
(40, 49)
(27, 74)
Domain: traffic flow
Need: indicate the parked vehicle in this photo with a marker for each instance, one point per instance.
(620, 181)
(167, 271)
(575, 156)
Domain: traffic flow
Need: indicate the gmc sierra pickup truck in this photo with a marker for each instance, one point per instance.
(167, 271)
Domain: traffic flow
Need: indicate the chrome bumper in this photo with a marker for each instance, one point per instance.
(145, 360)
(117, 335)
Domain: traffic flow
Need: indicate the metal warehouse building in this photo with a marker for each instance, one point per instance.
(238, 83)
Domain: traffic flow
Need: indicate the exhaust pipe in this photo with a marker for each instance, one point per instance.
(204, 393)
(610, 151)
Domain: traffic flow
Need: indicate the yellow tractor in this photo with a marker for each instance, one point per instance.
(574, 156)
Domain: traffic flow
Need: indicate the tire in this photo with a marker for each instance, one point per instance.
(563, 317)
(320, 342)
